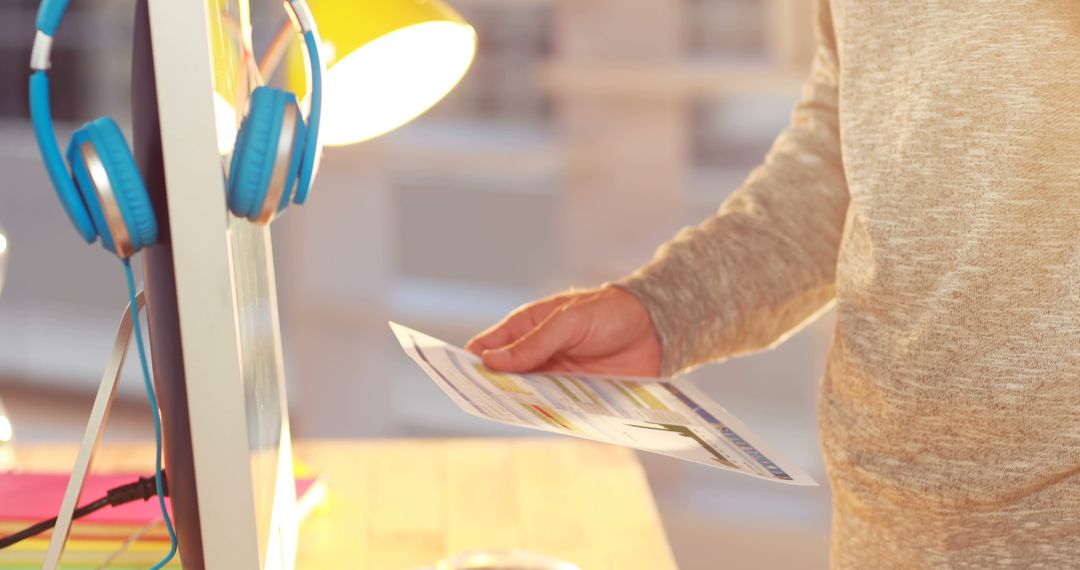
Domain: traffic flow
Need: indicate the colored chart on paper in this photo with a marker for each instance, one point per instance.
(658, 415)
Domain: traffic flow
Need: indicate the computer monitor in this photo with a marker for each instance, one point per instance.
(210, 290)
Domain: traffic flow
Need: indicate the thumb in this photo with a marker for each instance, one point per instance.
(553, 334)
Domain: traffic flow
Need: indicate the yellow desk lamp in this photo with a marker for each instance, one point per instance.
(387, 62)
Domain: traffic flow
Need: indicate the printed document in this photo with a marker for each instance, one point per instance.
(659, 415)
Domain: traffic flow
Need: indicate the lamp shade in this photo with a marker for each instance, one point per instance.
(387, 62)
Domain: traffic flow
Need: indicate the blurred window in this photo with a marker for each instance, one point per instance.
(728, 28)
(91, 59)
(514, 41)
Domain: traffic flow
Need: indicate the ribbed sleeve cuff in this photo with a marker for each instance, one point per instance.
(651, 291)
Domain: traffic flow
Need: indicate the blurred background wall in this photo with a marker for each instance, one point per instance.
(587, 133)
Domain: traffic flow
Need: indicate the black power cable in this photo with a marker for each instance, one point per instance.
(145, 488)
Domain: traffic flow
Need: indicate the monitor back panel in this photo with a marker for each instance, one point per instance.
(214, 324)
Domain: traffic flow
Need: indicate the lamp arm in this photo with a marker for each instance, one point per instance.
(277, 48)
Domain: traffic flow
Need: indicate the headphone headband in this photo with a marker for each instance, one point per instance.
(313, 148)
(51, 13)
(300, 14)
(49, 16)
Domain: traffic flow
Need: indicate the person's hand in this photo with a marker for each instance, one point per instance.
(598, 331)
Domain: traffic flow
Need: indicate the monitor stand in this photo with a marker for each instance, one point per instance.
(92, 436)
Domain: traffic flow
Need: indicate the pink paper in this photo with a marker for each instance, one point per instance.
(37, 496)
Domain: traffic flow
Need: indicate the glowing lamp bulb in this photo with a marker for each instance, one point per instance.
(6, 431)
(225, 116)
(387, 61)
(393, 79)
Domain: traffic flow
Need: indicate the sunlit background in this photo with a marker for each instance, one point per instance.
(585, 134)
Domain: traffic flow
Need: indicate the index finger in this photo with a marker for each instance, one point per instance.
(516, 324)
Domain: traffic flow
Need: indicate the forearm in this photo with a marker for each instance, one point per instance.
(765, 263)
(744, 279)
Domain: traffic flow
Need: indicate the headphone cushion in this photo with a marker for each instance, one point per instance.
(256, 149)
(296, 160)
(85, 185)
(127, 182)
(128, 188)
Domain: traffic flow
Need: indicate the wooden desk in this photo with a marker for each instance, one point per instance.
(403, 504)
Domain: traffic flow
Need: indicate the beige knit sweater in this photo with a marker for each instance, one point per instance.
(930, 184)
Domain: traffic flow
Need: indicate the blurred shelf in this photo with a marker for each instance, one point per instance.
(438, 305)
(692, 78)
(19, 148)
(468, 305)
(62, 351)
(108, 23)
(494, 149)
(17, 142)
(708, 185)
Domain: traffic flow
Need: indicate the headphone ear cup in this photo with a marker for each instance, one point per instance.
(255, 155)
(296, 157)
(126, 191)
(84, 204)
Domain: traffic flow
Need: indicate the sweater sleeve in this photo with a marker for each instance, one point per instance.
(765, 263)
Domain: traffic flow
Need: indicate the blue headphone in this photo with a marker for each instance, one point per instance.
(104, 193)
